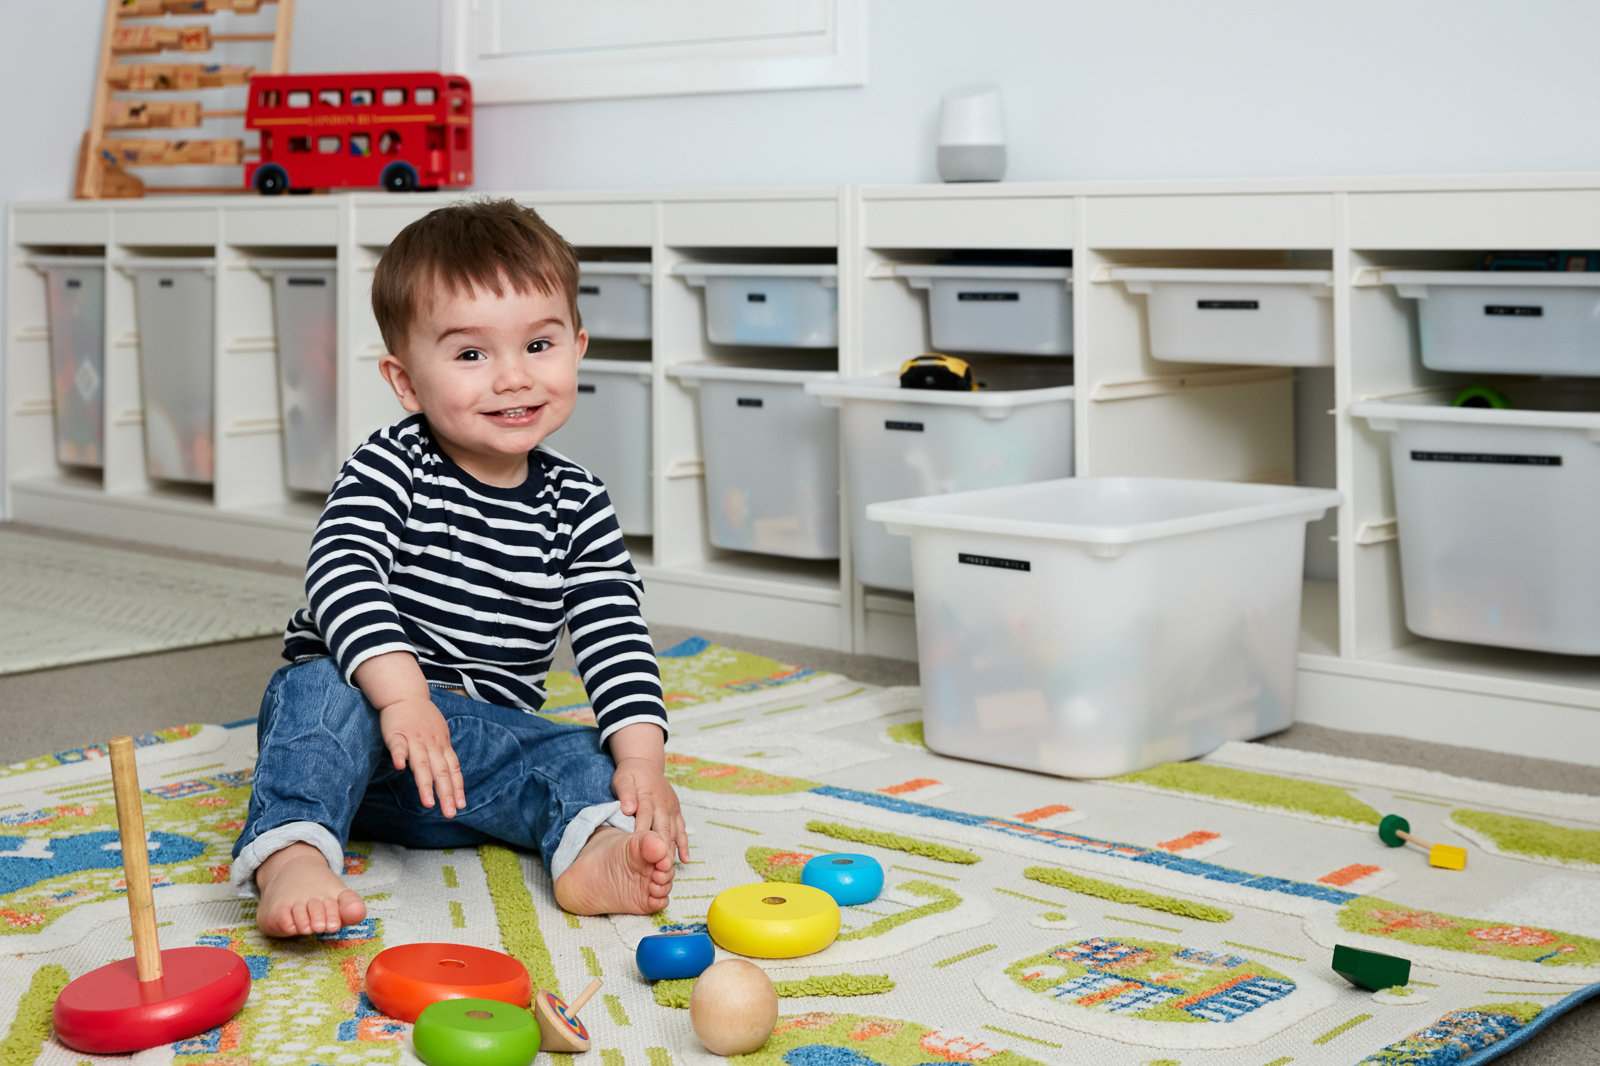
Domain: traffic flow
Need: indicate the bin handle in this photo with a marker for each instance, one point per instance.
(1412, 292)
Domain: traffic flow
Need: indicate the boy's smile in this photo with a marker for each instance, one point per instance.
(495, 375)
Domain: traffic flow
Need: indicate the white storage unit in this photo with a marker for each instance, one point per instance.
(1254, 317)
(900, 443)
(1095, 626)
(1505, 323)
(771, 459)
(609, 435)
(614, 300)
(305, 318)
(768, 305)
(176, 299)
(75, 288)
(1499, 517)
(1009, 310)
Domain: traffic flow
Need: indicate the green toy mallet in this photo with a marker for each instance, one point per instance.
(1395, 831)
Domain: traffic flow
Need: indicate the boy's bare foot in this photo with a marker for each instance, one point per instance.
(618, 873)
(300, 895)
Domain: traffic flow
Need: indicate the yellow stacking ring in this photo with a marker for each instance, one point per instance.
(773, 920)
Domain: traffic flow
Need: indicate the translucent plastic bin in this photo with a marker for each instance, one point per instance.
(1505, 323)
(1094, 626)
(75, 290)
(1499, 516)
(175, 299)
(609, 435)
(305, 314)
(1254, 317)
(900, 443)
(1014, 310)
(614, 300)
(775, 306)
(771, 459)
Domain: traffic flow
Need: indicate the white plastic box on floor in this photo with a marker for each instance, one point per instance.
(176, 300)
(1095, 626)
(1490, 322)
(1252, 317)
(771, 455)
(900, 443)
(614, 300)
(1499, 516)
(609, 435)
(75, 291)
(1007, 310)
(768, 305)
(305, 319)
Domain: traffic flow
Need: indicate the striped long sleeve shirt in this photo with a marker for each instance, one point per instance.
(414, 554)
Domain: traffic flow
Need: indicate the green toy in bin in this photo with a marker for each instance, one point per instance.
(1481, 396)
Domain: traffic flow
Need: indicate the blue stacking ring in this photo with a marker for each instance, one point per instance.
(849, 879)
(667, 956)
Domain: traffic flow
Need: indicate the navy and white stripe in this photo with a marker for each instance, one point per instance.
(414, 554)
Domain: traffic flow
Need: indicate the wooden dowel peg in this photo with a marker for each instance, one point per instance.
(585, 996)
(135, 859)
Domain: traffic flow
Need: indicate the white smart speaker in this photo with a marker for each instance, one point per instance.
(972, 134)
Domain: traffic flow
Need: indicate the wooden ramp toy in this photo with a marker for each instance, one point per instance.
(559, 1027)
(1395, 831)
(157, 996)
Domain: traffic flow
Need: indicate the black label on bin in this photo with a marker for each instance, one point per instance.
(166, 283)
(1228, 305)
(585, 388)
(756, 297)
(1491, 458)
(749, 401)
(910, 427)
(588, 290)
(1513, 311)
(74, 283)
(989, 297)
(308, 281)
(993, 560)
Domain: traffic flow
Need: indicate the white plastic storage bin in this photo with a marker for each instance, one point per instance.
(1095, 626)
(1012, 310)
(176, 301)
(900, 443)
(305, 313)
(1499, 517)
(771, 459)
(609, 435)
(75, 290)
(767, 305)
(1505, 323)
(614, 300)
(1254, 317)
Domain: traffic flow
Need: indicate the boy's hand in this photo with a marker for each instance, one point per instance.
(645, 793)
(415, 732)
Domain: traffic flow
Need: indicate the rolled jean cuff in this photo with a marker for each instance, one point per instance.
(578, 832)
(274, 840)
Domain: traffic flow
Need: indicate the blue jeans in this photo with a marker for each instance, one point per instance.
(324, 775)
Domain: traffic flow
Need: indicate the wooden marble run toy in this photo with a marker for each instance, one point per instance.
(1395, 831)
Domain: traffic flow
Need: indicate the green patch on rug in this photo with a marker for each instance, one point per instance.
(893, 841)
(1257, 790)
(98, 751)
(687, 772)
(1528, 836)
(30, 1027)
(907, 733)
(676, 993)
(515, 913)
(881, 1040)
(943, 900)
(1138, 897)
(1411, 925)
(774, 864)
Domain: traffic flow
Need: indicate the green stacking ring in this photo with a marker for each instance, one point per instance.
(1390, 827)
(476, 1032)
(1481, 396)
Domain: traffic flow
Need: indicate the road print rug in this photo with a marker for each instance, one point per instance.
(1183, 915)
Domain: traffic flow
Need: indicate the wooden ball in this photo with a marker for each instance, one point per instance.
(733, 1007)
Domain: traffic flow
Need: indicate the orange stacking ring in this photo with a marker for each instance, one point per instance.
(404, 981)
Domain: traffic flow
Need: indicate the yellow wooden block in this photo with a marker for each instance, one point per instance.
(1447, 857)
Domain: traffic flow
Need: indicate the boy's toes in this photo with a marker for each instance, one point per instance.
(351, 908)
(652, 849)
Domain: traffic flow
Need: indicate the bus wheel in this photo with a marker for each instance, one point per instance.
(399, 177)
(271, 180)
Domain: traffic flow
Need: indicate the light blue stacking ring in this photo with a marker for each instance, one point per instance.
(849, 879)
(667, 956)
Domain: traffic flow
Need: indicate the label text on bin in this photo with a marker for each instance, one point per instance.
(909, 427)
(1229, 305)
(1486, 457)
(1513, 311)
(993, 560)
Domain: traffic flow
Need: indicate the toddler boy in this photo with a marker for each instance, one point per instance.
(451, 553)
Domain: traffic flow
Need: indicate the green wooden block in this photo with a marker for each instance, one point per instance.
(1371, 970)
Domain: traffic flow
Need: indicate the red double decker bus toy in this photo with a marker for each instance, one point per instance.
(402, 131)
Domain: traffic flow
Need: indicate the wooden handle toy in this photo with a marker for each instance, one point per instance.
(559, 1027)
(475, 1032)
(1395, 831)
(733, 1007)
(773, 920)
(157, 996)
(406, 980)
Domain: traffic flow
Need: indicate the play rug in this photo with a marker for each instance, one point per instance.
(64, 602)
(1185, 915)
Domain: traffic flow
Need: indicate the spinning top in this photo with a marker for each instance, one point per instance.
(559, 1027)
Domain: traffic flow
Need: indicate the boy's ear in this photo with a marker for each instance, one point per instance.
(399, 379)
(583, 343)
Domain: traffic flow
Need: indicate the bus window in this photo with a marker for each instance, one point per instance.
(389, 142)
(458, 103)
(393, 97)
(299, 144)
(300, 98)
(360, 143)
(269, 98)
(361, 97)
(463, 139)
(331, 97)
(425, 95)
(328, 145)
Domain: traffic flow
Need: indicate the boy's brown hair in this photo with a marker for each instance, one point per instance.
(483, 244)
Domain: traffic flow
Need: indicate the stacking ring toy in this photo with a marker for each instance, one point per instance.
(406, 980)
(475, 1032)
(849, 879)
(773, 920)
(667, 956)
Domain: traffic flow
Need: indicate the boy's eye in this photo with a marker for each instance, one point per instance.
(535, 347)
(472, 355)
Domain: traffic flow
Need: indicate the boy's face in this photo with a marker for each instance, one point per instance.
(494, 374)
